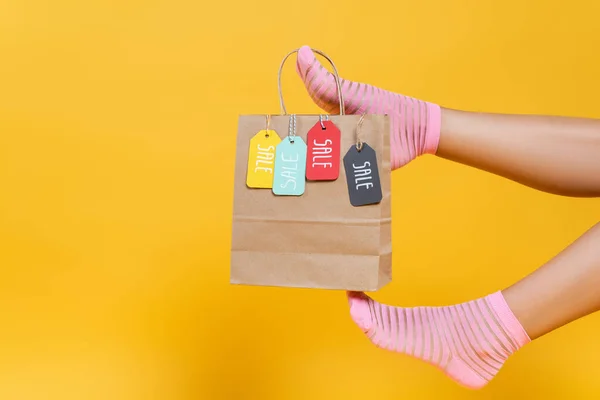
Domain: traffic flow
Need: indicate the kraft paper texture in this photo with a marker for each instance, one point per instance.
(318, 240)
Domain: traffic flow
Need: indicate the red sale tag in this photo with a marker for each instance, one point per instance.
(323, 153)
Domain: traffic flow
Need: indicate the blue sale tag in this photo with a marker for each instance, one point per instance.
(290, 167)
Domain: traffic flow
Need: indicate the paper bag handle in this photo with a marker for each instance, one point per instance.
(336, 76)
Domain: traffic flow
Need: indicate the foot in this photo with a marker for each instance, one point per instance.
(469, 342)
(415, 124)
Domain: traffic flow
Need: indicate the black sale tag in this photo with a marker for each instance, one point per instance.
(362, 175)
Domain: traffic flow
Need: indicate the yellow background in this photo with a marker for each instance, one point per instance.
(117, 127)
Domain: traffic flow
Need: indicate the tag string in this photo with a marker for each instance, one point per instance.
(268, 125)
(336, 76)
(292, 128)
(359, 143)
(321, 118)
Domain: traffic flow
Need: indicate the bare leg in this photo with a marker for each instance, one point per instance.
(563, 290)
(554, 154)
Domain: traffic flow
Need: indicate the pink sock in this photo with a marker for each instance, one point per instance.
(415, 124)
(469, 342)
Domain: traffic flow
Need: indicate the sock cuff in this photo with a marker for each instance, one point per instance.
(508, 318)
(434, 127)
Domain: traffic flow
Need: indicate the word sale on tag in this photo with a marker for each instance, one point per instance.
(323, 155)
(362, 175)
(290, 167)
(261, 159)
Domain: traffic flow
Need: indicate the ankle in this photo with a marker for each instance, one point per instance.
(434, 126)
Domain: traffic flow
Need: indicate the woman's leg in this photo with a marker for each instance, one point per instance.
(564, 289)
(471, 341)
(555, 154)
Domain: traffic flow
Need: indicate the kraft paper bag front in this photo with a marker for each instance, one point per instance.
(317, 240)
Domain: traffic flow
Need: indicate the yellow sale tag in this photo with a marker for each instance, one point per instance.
(261, 159)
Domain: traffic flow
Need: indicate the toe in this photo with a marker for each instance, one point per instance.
(360, 310)
(306, 61)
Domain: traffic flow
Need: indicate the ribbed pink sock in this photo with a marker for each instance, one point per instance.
(415, 124)
(469, 342)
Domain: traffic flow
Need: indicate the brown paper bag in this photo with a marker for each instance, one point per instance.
(318, 239)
